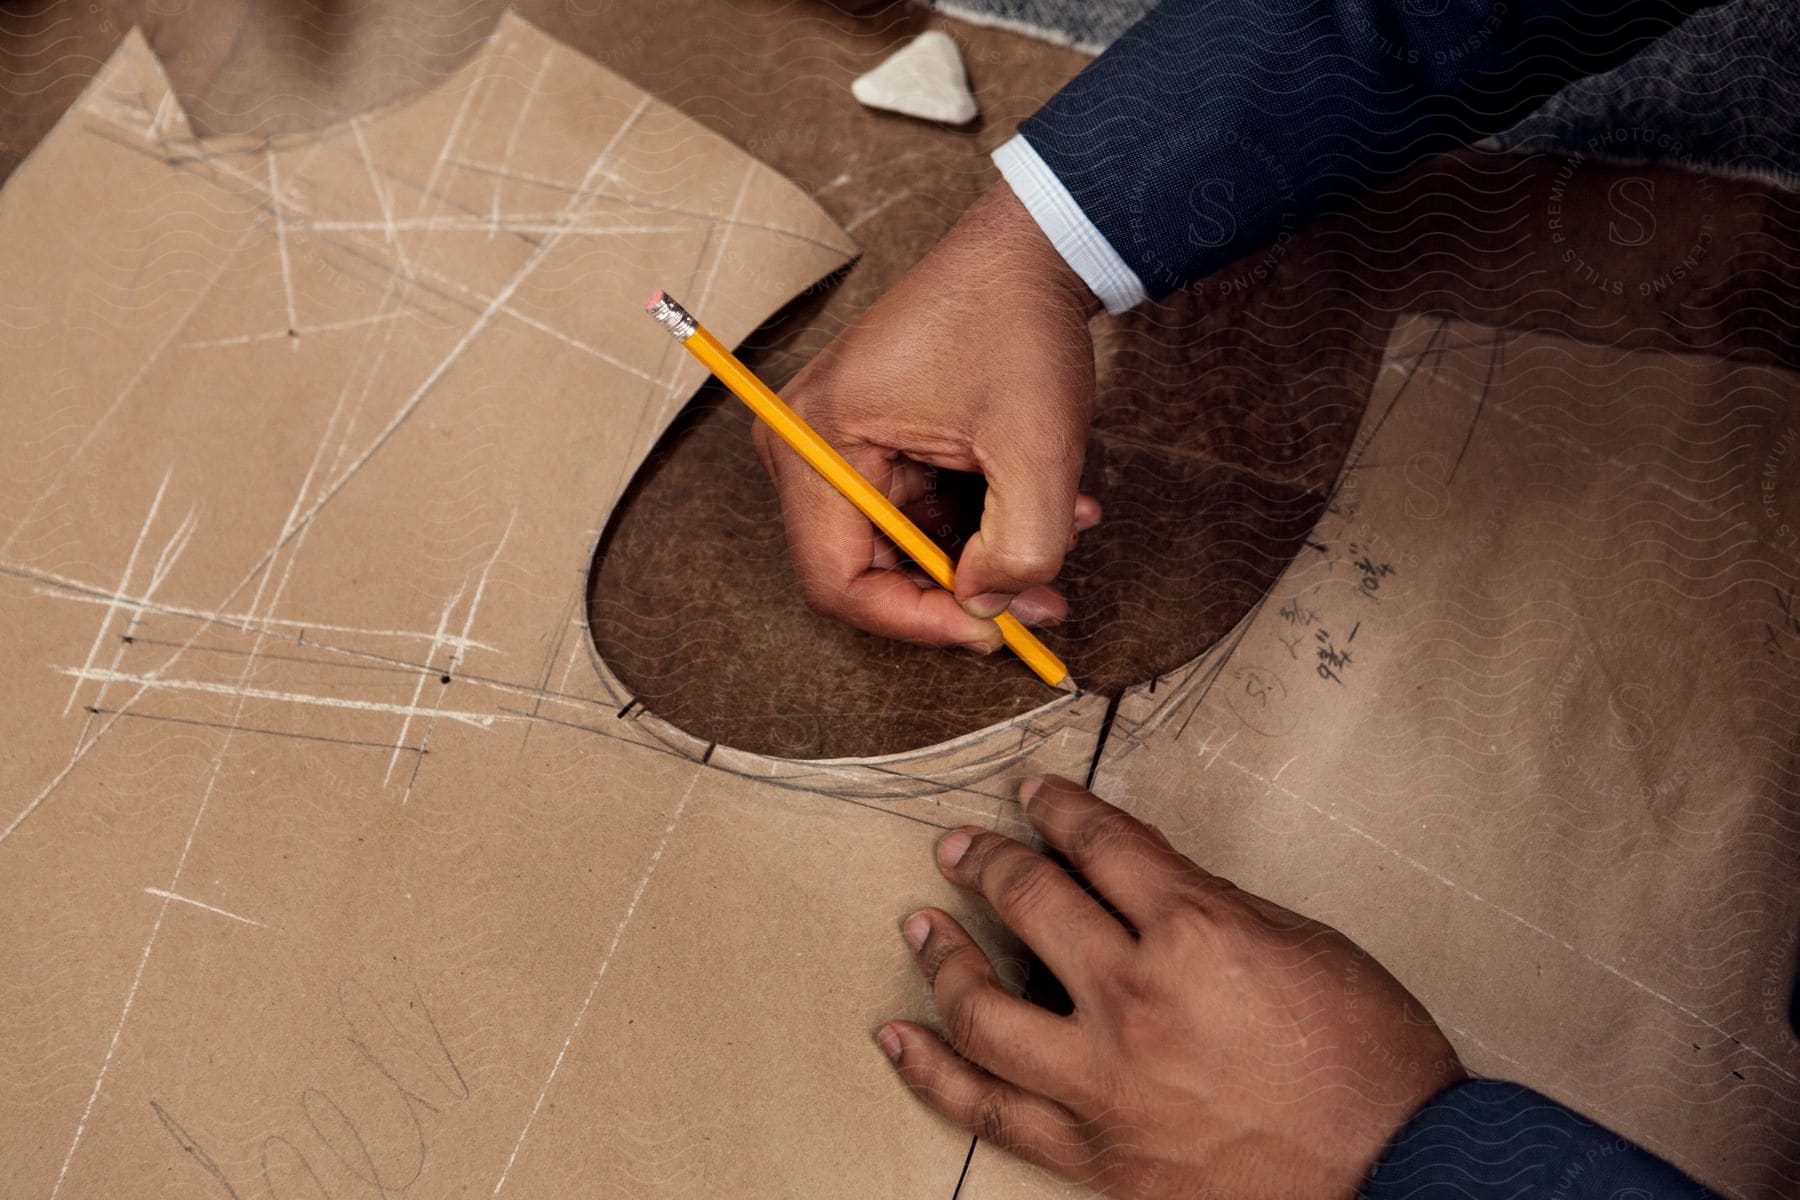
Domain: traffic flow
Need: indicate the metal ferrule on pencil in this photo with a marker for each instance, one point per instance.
(671, 316)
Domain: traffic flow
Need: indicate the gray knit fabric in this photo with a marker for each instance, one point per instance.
(1090, 25)
(1720, 92)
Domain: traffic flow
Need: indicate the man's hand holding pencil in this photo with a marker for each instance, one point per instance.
(978, 360)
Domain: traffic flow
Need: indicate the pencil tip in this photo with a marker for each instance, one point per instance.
(1069, 685)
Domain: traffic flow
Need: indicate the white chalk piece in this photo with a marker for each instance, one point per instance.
(925, 78)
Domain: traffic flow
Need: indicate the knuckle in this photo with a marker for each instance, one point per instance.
(986, 855)
(1026, 564)
(939, 949)
(803, 391)
(1129, 987)
(992, 1118)
(1218, 896)
(822, 598)
(966, 1019)
(1196, 910)
(1106, 830)
(1022, 883)
(1202, 930)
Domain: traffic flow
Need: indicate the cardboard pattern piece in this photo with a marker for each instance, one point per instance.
(333, 860)
(1519, 719)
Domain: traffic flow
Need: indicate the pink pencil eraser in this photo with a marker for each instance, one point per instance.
(654, 300)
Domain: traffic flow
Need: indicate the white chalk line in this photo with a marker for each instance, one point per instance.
(428, 193)
(137, 978)
(455, 658)
(479, 224)
(267, 629)
(287, 278)
(639, 202)
(180, 899)
(542, 327)
(250, 623)
(419, 685)
(481, 322)
(82, 744)
(81, 592)
(55, 782)
(479, 720)
(137, 377)
(170, 893)
(382, 197)
(512, 136)
(599, 974)
(871, 213)
(147, 682)
(124, 582)
(165, 563)
(164, 108)
(83, 748)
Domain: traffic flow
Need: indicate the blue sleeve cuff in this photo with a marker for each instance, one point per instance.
(1487, 1140)
(1076, 238)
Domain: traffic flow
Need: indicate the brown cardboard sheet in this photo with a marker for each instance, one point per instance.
(1520, 719)
(332, 859)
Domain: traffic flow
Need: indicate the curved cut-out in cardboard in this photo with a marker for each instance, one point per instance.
(696, 607)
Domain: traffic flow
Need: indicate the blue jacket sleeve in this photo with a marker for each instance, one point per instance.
(1488, 1140)
(1214, 127)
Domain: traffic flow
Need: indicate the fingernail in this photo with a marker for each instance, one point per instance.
(916, 929)
(889, 1041)
(982, 647)
(1028, 792)
(988, 605)
(1034, 612)
(952, 848)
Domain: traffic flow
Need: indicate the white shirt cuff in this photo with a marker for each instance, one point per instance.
(1076, 238)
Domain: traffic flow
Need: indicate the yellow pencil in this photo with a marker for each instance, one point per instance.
(841, 475)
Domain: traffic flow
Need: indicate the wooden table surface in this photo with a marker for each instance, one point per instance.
(1224, 411)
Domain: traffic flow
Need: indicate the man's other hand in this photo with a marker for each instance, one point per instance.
(1219, 1043)
(979, 359)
